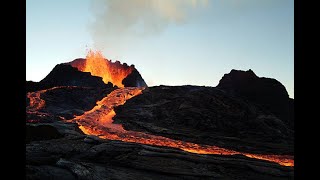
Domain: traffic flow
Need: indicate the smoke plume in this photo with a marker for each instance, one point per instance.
(117, 19)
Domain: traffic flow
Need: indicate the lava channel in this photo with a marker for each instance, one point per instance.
(98, 121)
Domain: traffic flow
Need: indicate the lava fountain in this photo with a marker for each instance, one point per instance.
(98, 121)
(97, 65)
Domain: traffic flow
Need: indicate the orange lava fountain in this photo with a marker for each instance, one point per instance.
(97, 65)
(98, 121)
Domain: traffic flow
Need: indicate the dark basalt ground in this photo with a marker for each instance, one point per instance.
(67, 102)
(69, 154)
(60, 101)
(206, 115)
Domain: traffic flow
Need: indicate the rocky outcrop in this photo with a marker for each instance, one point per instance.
(206, 115)
(266, 92)
(134, 79)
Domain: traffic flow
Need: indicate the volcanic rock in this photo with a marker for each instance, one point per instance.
(33, 86)
(70, 157)
(41, 132)
(56, 148)
(206, 115)
(66, 75)
(134, 80)
(66, 102)
(266, 92)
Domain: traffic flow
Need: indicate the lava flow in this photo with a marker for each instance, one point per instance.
(97, 65)
(36, 103)
(98, 121)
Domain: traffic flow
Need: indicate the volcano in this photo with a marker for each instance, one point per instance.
(93, 71)
(92, 118)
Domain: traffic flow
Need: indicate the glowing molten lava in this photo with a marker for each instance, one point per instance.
(98, 121)
(37, 104)
(35, 101)
(97, 65)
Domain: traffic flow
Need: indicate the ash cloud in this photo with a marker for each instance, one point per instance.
(117, 19)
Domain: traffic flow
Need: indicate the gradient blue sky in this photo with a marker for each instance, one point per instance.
(224, 35)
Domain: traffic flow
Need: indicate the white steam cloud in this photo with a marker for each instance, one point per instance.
(116, 19)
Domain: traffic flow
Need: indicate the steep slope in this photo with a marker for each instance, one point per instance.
(134, 79)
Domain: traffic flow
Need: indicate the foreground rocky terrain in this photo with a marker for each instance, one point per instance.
(66, 153)
(223, 116)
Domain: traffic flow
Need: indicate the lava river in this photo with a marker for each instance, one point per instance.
(98, 121)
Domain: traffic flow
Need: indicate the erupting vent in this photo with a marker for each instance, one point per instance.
(97, 65)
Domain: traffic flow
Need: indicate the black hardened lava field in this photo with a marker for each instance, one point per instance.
(92, 118)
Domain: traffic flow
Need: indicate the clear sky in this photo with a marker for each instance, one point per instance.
(170, 42)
